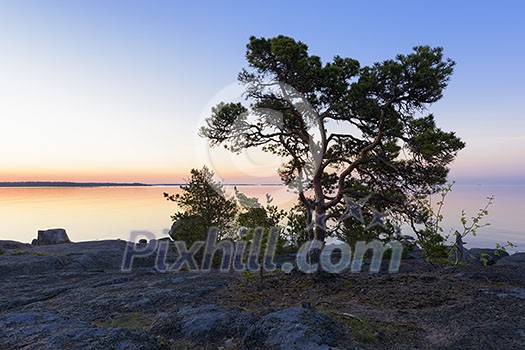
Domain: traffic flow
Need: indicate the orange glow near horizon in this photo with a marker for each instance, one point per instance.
(129, 176)
(253, 168)
(94, 176)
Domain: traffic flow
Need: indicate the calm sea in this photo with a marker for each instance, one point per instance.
(113, 212)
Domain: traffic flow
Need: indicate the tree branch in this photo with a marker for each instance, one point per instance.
(360, 160)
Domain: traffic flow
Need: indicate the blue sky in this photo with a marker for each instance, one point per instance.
(115, 90)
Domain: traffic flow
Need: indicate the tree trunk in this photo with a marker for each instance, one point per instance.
(319, 223)
(319, 215)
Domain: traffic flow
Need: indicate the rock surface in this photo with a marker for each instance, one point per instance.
(206, 323)
(81, 256)
(514, 259)
(13, 245)
(51, 236)
(74, 296)
(48, 331)
(296, 328)
(485, 256)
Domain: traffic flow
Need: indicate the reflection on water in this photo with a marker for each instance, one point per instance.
(112, 212)
(86, 213)
(91, 213)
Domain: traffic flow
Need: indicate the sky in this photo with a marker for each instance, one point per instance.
(116, 90)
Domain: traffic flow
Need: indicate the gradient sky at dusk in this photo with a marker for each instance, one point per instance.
(116, 90)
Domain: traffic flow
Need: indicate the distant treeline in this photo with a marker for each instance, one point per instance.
(66, 184)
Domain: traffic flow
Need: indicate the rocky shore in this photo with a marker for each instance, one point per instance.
(74, 296)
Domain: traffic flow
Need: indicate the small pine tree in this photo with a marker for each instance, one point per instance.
(203, 204)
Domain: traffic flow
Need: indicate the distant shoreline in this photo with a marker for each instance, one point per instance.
(68, 184)
(23, 184)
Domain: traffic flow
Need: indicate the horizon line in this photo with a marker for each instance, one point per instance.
(110, 184)
(37, 183)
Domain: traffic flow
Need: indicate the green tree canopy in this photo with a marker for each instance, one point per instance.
(344, 129)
